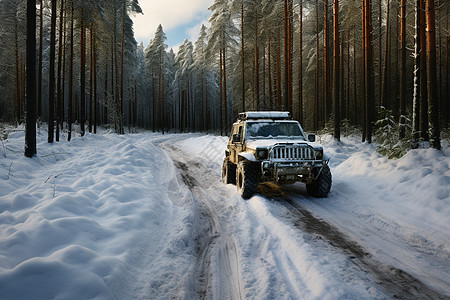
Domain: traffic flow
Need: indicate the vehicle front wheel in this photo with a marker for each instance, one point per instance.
(228, 172)
(320, 187)
(247, 179)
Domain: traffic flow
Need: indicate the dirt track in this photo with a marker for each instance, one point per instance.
(216, 273)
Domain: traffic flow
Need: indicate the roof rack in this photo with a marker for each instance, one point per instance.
(272, 115)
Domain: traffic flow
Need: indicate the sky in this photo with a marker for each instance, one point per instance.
(180, 19)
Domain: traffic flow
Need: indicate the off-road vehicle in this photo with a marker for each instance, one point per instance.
(272, 147)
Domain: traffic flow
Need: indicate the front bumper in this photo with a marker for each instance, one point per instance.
(291, 171)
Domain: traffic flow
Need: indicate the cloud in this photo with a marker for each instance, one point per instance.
(170, 14)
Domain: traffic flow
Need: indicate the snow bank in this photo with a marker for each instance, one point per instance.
(414, 189)
(81, 219)
(398, 209)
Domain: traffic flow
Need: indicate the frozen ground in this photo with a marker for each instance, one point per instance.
(146, 216)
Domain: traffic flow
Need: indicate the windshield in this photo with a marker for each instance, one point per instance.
(264, 130)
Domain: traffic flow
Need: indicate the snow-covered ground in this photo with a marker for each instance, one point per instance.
(146, 216)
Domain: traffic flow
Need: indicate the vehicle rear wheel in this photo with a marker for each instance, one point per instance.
(228, 172)
(247, 179)
(320, 187)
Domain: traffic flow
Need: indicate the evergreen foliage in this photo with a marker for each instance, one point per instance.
(387, 137)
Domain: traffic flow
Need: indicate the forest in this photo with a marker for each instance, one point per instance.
(378, 66)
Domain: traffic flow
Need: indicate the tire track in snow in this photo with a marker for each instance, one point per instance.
(397, 283)
(216, 271)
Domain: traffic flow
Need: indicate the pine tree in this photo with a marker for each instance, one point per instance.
(30, 134)
(155, 60)
(433, 102)
(70, 87)
(417, 54)
(51, 92)
(403, 95)
(199, 63)
(337, 114)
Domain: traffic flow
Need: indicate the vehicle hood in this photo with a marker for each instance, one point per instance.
(267, 143)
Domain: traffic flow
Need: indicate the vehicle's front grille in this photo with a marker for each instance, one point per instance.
(292, 153)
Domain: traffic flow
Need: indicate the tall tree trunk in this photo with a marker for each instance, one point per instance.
(387, 62)
(395, 104)
(41, 30)
(264, 79)
(51, 92)
(291, 55)
(23, 79)
(380, 57)
(363, 75)
(270, 106)
(336, 58)
(154, 104)
(447, 83)
(225, 98)
(129, 109)
(355, 97)
(91, 75)
(135, 121)
(159, 97)
(403, 96)
(95, 85)
(161, 90)
(423, 74)
(417, 54)
(83, 78)
(30, 131)
(286, 56)
(433, 101)
(183, 96)
(278, 72)
(342, 101)
(121, 70)
(326, 65)
(316, 98)
(163, 105)
(18, 68)
(63, 84)
(208, 111)
(300, 65)
(112, 93)
(59, 100)
(221, 91)
(370, 87)
(242, 56)
(105, 97)
(347, 113)
(202, 115)
(257, 96)
(439, 55)
(70, 91)
(22, 88)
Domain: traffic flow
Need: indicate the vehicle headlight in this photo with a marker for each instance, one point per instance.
(319, 154)
(261, 153)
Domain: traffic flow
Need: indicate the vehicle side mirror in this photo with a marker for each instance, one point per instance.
(236, 138)
(312, 138)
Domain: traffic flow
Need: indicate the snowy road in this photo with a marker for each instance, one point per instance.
(146, 216)
(355, 265)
